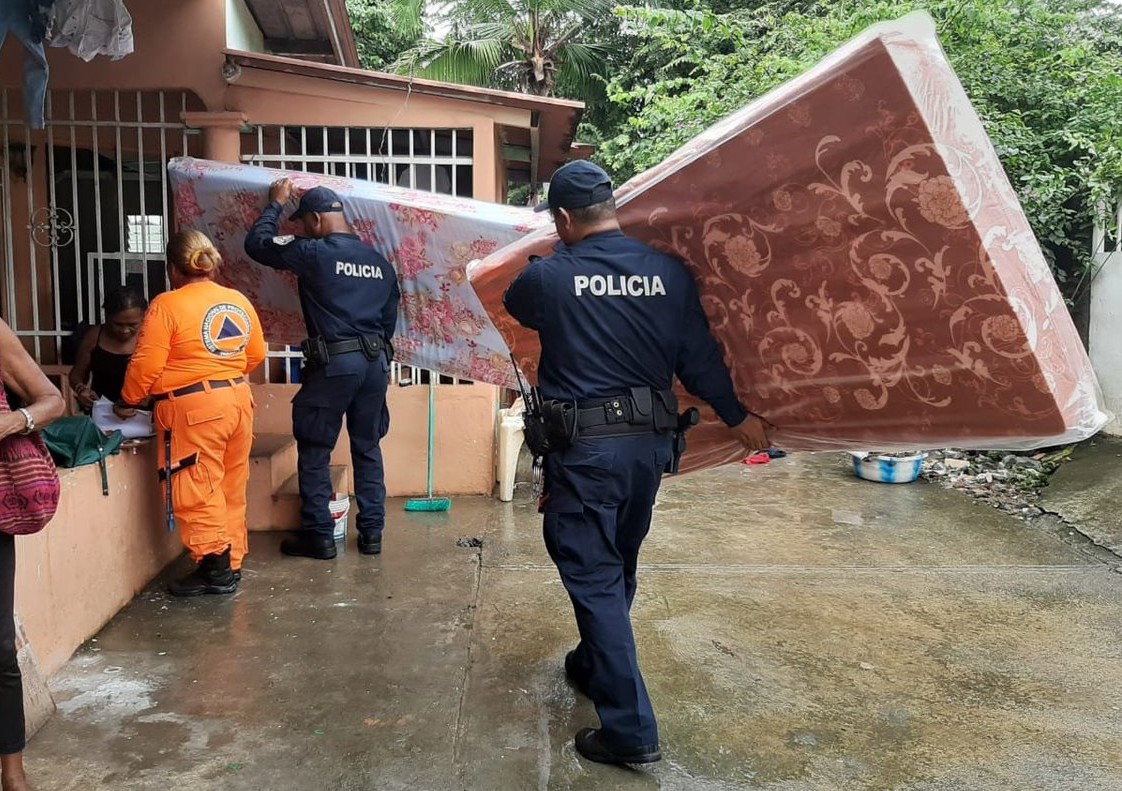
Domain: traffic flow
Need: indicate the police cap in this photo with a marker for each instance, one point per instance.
(575, 185)
(320, 200)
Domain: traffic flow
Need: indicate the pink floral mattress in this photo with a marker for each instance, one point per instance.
(429, 238)
(864, 262)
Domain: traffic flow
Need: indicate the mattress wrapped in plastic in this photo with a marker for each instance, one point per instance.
(428, 237)
(863, 261)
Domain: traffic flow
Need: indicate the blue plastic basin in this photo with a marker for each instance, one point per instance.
(887, 469)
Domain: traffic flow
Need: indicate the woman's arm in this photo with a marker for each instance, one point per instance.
(80, 373)
(27, 380)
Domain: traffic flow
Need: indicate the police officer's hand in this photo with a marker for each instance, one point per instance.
(752, 433)
(280, 191)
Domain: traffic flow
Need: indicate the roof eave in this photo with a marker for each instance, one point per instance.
(342, 33)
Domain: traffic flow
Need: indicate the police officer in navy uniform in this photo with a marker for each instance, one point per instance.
(349, 295)
(618, 321)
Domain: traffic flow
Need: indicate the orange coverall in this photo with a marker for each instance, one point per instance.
(200, 334)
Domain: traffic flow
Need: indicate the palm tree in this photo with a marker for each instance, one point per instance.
(540, 47)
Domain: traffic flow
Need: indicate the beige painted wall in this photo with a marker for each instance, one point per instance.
(170, 37)
(96, 554)
(270, 98)
(465, 436)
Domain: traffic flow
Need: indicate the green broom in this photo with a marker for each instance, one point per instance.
(430, 503)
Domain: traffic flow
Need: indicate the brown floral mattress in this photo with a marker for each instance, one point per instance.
(864, 262)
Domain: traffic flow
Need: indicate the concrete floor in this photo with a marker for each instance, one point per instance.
(1087, 490)
(799, 629)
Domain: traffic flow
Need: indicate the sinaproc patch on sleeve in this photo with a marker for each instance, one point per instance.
(283, 240)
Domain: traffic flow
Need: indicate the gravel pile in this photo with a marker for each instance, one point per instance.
(1010, 482)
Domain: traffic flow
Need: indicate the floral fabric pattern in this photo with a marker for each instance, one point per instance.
(428, 237)
(863, 261)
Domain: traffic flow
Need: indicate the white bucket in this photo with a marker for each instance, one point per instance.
(339, 507)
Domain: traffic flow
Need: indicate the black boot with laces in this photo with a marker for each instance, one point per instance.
(212, 576)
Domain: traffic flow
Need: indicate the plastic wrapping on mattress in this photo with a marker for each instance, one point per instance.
(863, 261)
(429, 238)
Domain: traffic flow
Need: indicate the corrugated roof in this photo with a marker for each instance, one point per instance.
(317, 30)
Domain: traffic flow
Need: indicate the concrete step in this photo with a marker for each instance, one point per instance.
(282, 512)
(272, 461)
(275, 456)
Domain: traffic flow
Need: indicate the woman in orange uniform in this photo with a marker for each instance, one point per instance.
(196, 346)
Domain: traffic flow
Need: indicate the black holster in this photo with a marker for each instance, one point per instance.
(315, 352)
(686, 421)
(372, 347)
(550, 425)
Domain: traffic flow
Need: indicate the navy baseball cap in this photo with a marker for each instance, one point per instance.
(318, 199)
(575, 185)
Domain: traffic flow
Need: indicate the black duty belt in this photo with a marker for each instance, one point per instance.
(620, 416)
(199, 387)
(605, 412)
(343, 347)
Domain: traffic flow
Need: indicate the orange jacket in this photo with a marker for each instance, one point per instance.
(199, 332)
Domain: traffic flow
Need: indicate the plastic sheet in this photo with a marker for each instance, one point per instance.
(864, 262)
(429, 238)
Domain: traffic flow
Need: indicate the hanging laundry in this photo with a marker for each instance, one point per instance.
(42, 17)
(28, 21)
(89, 28)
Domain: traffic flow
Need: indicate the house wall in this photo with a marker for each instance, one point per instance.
(178, 44)
(1106, 319)
(271, 98)
(95, 555)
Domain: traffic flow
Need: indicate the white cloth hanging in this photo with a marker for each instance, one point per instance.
(89, 28)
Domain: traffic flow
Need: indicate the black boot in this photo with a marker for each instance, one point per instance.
(309, 544)
(590, 743)
(370, 543)
(212, 575)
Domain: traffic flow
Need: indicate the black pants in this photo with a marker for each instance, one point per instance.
(11, 684)
(353, 386)
(599, 497)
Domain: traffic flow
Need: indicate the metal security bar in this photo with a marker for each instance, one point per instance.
(86, 205)
(435, 160)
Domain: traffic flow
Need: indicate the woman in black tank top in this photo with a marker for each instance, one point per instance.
(104, 353)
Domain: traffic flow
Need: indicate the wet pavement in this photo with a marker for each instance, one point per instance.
(800, 630)
(1087, 491)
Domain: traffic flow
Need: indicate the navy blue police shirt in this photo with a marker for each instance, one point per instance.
(347, 288)
(614, 313)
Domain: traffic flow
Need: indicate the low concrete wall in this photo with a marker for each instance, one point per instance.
(465, 435)
(96, 554)
(99, 552)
